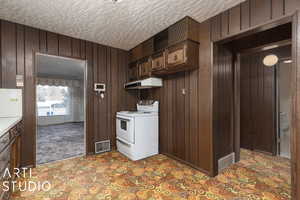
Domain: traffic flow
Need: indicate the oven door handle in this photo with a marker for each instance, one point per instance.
(120, 118)
(123, 142)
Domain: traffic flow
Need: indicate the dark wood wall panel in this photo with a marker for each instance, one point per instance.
(8, 51)
(249, 14)
(222, 103)
(204, 141)
(260, 11)
(246, 137)
(185, 114)
(225, 23)
(216, 27)
(28, 143)
(291, 6)
(75, 48)
(245, 15)
(235, 19)
(104, 64)
(277, 8)
(43, 41)
(64, 45)
(258, 115)
(52, 43)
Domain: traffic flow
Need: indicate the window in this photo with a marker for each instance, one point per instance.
(52, 100)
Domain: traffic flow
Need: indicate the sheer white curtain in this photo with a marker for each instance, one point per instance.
(75, 104)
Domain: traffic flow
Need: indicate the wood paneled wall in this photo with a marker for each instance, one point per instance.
(185, 119)
(258, 100)
(208, 99)
(104, 64)
(244, 17)
(258, 104)
(249, 14)
(222, 103)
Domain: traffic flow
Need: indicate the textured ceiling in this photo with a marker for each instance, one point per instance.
(59, 67)
(123, 25)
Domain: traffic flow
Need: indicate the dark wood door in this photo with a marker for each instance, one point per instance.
(258, 103)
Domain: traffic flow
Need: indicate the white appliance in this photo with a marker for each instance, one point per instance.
(10, 103)
(137, 132)
(144, 84)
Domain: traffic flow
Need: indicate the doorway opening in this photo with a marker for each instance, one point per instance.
(60, 106)
(265, 99)
(252, 102)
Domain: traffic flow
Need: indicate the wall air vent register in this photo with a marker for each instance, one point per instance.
(102, 146)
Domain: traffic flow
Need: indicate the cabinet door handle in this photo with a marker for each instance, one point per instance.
(175, 57)
(157, 63)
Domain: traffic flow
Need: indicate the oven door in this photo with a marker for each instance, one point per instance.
(125, 129)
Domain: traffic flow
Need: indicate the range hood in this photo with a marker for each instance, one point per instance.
(144, 84)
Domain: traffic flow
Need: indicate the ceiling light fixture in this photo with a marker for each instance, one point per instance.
(270, 47)
(116, 1)
(270, 60)
(287, 61)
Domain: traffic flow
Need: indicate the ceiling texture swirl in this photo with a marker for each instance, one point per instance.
(122, 25)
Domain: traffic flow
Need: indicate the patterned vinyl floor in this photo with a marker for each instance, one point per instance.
(113, 176)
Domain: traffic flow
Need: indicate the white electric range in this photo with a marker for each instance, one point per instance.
(137, 132)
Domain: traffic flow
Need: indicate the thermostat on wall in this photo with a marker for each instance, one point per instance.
(99, 87)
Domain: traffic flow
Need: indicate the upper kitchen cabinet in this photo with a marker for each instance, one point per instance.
(185, 29)
(133, 73)
(161, 40)
(180, 57)
(159, 61)
(136, 53)
(171, 50)
(145, 68)
(142, 50)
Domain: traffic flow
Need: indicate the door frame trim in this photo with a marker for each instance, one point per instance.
(86, 139)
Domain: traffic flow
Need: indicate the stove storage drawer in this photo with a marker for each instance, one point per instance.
(125, 129)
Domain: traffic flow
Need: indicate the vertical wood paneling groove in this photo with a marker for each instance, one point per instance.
(260, 11)
(234, 23)
(186, 116)
(95, 96)
(20, 50)
(52, 43)
(8, 49)
(277, 8)
(245, 15)
(109, 94)
(42, 41)
(224, 24)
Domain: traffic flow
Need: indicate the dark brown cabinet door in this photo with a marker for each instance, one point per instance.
(133, 73)
(176, 56)
(158, 62)
(145, 68)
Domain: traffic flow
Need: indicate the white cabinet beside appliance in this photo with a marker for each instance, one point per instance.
(10, 102)
(137, 132)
